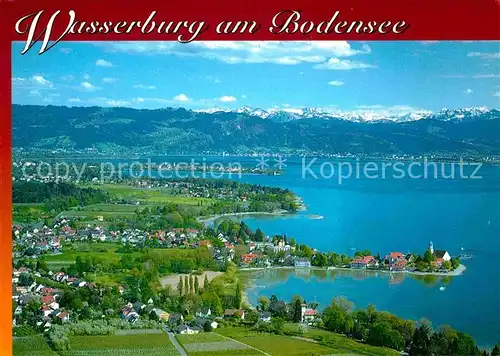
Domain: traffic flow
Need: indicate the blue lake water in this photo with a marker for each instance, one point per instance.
(384, 213)
(390, 214)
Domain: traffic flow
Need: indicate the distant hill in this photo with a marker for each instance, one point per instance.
(175, 130)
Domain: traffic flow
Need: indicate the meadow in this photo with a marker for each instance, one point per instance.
(214, 344)
(273, 344)
(151, 344)
(31, 345)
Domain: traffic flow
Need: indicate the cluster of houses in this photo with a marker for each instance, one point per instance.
(398, 261)
(44, 239)
(24, 294)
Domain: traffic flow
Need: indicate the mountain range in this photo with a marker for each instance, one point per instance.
(471, 131)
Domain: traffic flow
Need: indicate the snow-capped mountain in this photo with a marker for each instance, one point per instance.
(364, 115)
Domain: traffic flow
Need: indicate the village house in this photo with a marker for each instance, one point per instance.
(363, 262)
(234, 313)
(128, 313)
(204, 312)
(265, 317)
(308, 314)
(393, 257)
(205, 243)
(200, 322)
(187, 330)
(63, 316)
(302, 262)
(160, 314)
(248, 258)
(440, 256)
(175, 318)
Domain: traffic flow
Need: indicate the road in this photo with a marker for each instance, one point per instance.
(174, 341)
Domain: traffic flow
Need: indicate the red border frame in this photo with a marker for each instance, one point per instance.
(428, 19)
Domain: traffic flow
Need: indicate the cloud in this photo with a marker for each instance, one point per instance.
(452, 76)
(469, 91)
(86, 76)
(234, 52)
(142, 86)
(428, 42)
(497, 93)
(67, 78)
(213, 79)
(484, 55)
(74, 100)
(181, 97)
(38, 79)
(88, 86)
(109, 80)
(65, 50)
(103, 63)
(486, 76)
(227, 99)
(342, 64)
(113, 102)
(243, 96)
(336, 83)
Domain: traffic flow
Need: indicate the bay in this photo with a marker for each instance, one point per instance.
(385, 215)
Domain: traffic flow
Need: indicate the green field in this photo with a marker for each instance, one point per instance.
(341, 342)
(273, 344)
(151, 344)
(148, 198)
(105, 251)
(214, 344)
(147, 195)
(32, 345)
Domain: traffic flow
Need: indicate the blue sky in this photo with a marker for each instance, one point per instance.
(408, 76)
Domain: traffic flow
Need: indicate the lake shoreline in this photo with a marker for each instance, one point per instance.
(457, 272)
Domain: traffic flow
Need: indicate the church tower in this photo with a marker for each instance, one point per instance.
(431, 248)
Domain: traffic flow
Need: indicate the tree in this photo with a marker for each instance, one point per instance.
(421, 343)
(264, 303)
(297, 311)
(25, 279)
(251, 316)
(207, 327)
(180, 286)
(428, 256)
(186, 285)
(205, 283)
(446, 265)
(382, 334)
(196, 284)
(496, 350)
(191, 284)
(259, 235)
(238, 295)
(277, 325)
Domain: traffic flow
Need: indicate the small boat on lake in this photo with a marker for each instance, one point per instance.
(442, 288)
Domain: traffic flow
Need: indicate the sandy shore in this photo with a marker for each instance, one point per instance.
(212, 218)
(173, 279)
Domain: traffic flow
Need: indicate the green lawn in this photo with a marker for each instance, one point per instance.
(32, 345)
(151, 344)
